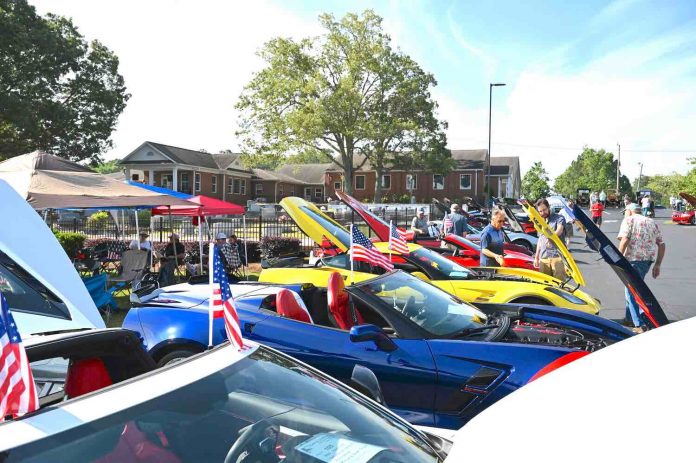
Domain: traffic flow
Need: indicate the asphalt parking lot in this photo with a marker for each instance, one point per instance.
(675, 288)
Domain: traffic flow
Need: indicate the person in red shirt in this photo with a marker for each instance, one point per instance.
(597, 209)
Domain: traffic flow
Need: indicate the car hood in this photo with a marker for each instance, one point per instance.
(543, 228)
(645, 360)
(314, 223)
(515, 225)
(598, 241)
(688, 198)
(32, 245)
(378, 225)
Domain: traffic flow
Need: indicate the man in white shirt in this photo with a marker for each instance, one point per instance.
(142, 243)
(645, 204)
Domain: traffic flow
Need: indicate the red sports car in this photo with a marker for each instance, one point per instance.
(686, 217)
(468, 254)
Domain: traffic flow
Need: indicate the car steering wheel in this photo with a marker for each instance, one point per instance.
(410, 308)
(247, 441)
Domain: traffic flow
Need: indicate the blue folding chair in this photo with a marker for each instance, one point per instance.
(102, 296)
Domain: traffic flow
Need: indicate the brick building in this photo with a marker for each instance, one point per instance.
(223, 176)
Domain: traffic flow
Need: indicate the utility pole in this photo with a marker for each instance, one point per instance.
(487, 167)
(640, 177)
(618, 170)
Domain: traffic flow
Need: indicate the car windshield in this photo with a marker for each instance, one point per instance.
(429, 307)
(437, 266)
(264, 407)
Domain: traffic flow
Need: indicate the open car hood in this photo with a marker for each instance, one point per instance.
(515, 224)
(31, 245)
(315, 224)
(688, 198)
(599, 242)
(378, 225)
(543, 228)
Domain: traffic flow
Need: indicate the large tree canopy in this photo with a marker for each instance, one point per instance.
(58, 93)
(346, 95)
(535, 183)
(593, 169)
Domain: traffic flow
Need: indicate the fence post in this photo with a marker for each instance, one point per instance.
(160, 229)
(260, 227)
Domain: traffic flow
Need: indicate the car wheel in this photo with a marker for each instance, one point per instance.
(176, 357)
(693, 220)
(524, 243)
(531, 300)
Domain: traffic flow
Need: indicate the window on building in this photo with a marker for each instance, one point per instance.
(229, 186)
(359, 182)
(386, 182)
(280, 189)
(317, 192)
(465, 181)
(292, 191)
(337, 186)
(308, 193)
(243, 187)
(438, 182)
(135, 177)
(197, 181)
(239, 187)
(411, 181)
(185, 185)
(166, 181)
(259, 189)
(213, 184)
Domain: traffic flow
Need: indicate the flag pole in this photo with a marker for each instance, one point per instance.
(211, 304)
(352, 278)
(390, 241)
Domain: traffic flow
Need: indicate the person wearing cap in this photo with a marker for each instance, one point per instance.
(142, 242)
(642, 244)
(229, 254)
(419, 224)
(172, 256)
(460, 226)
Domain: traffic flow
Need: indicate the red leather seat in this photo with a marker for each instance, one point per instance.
(338, 302)
(85, 376)
(290, 305)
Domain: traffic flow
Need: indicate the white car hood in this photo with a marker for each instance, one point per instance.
(621, 403)
(30, 243)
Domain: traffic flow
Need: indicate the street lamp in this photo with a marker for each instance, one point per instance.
(488, 157)
(640, 177)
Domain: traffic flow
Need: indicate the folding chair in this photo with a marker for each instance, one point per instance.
(102, 297)
(134, 265)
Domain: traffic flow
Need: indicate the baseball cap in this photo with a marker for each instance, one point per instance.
(421, 209)
(221, 236)
(174, 235)
(144, 233)
(633, 207)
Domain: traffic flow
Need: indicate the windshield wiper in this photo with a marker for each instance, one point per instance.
(469, 331)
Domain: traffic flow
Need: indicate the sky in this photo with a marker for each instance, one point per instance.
(595, 73)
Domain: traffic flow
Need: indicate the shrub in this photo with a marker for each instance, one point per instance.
(98, 219)
(404, 198)
(71, 242)
(276, 246)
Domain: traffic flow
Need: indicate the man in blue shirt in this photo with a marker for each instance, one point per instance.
(460, 227)
(493, 241)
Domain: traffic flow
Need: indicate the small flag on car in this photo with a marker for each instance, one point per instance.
(221, 300)
(17, 388)
(397, 241)
(362, 249)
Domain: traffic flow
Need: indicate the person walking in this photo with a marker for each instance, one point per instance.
(547, 257)
(645, 204)
(460, 227)
(642, 244)
(593, 197)
(493, 240)
(597, 209)
(627, 200)
(603, 198)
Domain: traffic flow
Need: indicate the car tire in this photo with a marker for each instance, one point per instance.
(524, 243)
(693, 220)
(531, 300)
(176, 356)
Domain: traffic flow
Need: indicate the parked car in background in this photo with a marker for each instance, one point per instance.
(687, 216)
(583, 197)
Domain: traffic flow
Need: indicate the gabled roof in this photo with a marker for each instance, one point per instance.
(470, 159)
(186, 156)
(224, 160)
(311, 174)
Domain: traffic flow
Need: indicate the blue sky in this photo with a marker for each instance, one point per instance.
(577, 73)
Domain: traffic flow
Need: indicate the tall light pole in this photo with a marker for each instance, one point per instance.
(618, 169)
(488, 157)
(640, 177)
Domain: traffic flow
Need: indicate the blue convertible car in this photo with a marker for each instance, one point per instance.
(438, 360)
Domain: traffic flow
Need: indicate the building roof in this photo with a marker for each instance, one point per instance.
(186, 156)
(311, 174)
(470, 159)
(223, 160)
(263, 174)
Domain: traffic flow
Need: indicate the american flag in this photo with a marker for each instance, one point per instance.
(17, 389)
(447, 223)
(362, 249)
(222, 300)
(397, 241)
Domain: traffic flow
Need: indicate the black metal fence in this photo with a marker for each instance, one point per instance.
(257, 226)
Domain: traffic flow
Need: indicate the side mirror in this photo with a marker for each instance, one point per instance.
(364, 333)
(365, 381)
(420, 276)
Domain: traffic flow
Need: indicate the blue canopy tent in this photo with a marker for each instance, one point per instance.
(160, 190)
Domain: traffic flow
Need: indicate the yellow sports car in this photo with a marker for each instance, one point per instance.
(481, 284)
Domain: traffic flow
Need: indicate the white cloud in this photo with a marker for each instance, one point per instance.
(184, 63)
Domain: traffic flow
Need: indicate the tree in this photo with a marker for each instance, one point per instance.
(108, 167)
(535, 183)
(58, 93)
(306, 157)
(593, 169)
(342, 94)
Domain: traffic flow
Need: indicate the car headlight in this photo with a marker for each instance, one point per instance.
(572, 298)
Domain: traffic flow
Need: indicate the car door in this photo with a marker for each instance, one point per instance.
(406, 375)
